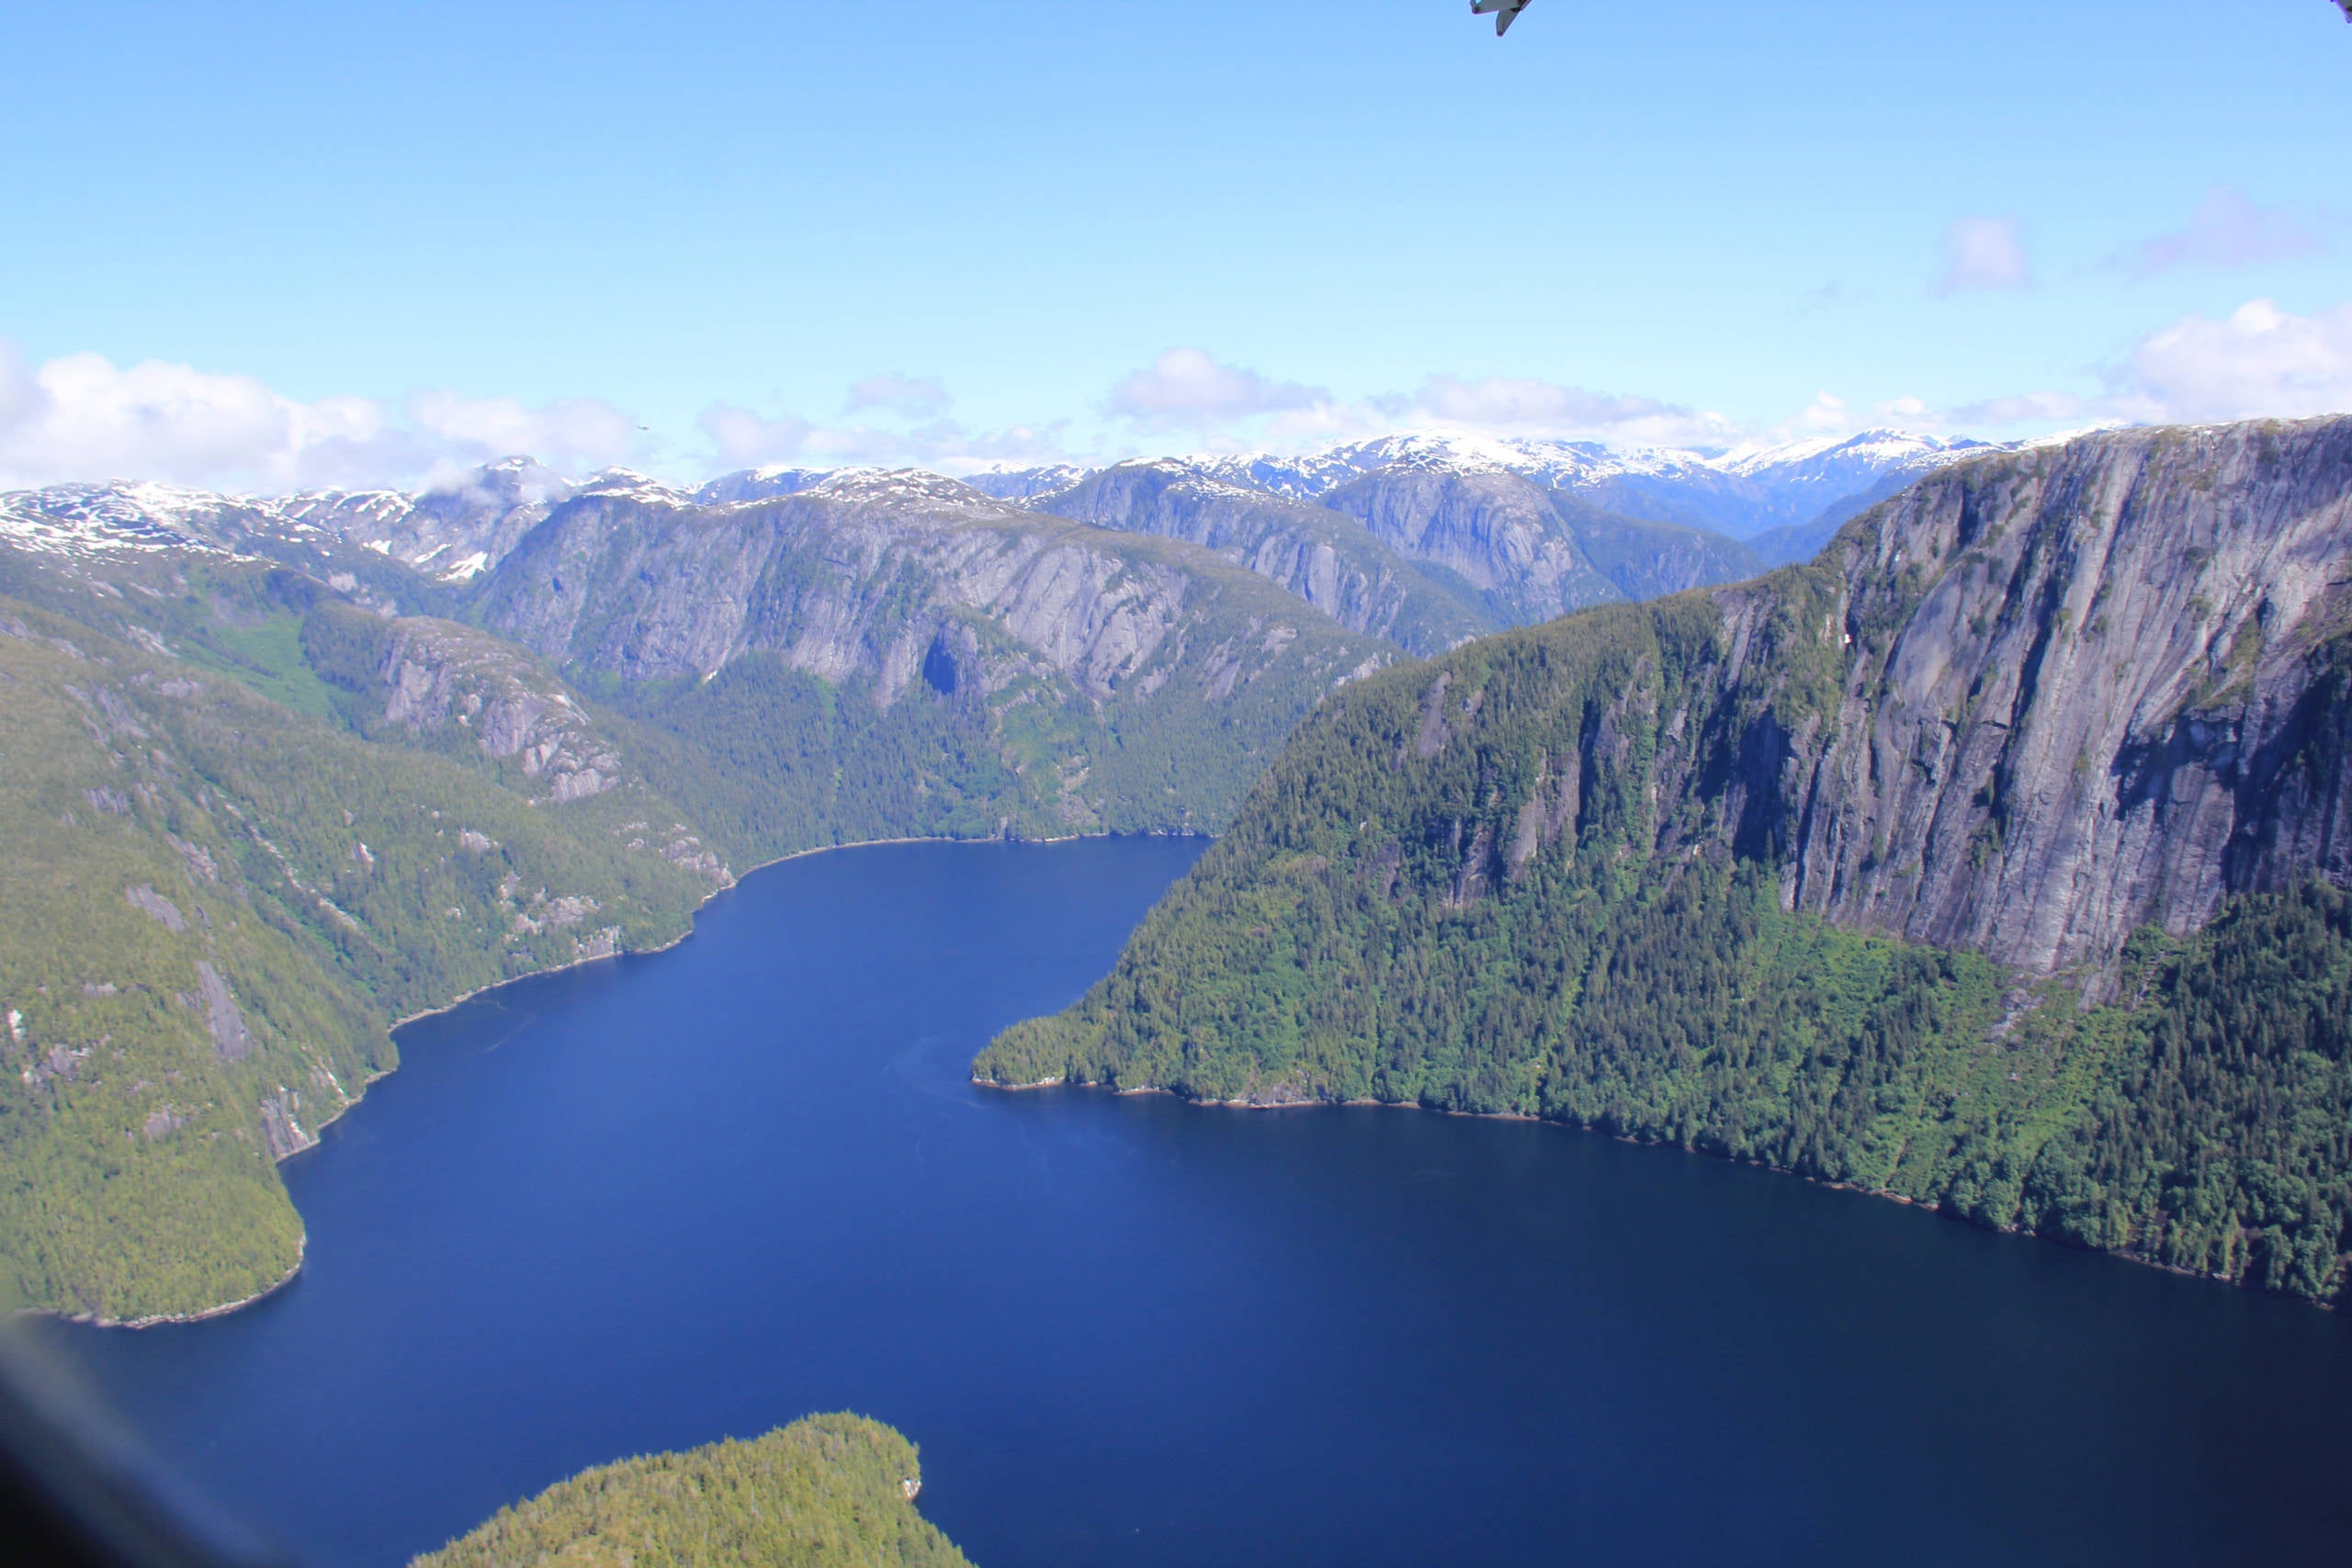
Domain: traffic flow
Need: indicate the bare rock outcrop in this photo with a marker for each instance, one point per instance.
(896, 577)
(437, 676)
(2111, 692)
(1326, 559)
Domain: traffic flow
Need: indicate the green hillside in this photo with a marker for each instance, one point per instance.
(213, 906)
(1424, 903)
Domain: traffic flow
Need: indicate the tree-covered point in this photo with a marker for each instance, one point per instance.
(826, 1492)
(1423, 904)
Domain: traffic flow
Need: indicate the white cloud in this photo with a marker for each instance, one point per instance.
(917, 397)
(83, 417)
(1187, 389)
(2016, 409)
(1521, 405)
(2258, 362)
(2226, 231)
(1983, 252)
(1828, 414)
(569, 434)
(747, 439)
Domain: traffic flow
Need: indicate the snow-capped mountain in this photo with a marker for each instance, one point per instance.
(1744, 492)
(1531, 527)
(1007, 482)
(451, 532)
(759, 484)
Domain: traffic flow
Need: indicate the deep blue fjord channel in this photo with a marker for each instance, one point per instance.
(649, 1203)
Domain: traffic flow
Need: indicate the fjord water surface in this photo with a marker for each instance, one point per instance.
(649, 1204)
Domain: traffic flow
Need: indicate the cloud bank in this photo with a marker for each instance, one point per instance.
(1189, 390)
(2257, 361)
(83, 417)
(744, 438)
(916, 397)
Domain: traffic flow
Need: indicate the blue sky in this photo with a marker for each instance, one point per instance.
(270, 245)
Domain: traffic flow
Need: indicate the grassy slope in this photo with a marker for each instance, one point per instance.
(823, 1493)
(1638, 977)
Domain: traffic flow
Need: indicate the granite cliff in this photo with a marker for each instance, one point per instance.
(1117, 679)
(1993, 859)
(1318, 554)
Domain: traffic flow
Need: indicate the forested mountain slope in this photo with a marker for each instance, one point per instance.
(248, 826)
(826, 1492)
(1995, 858)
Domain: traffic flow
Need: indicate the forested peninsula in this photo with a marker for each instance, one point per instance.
(1995, 860)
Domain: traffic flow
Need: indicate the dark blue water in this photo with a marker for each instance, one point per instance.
(651, 1203)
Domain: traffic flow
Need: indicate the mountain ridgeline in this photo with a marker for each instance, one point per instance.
(1995, 860)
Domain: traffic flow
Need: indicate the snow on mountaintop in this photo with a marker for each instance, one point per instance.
(1879, 449)
(1561, 463)
(759, 484)
(904, 487)
(459, 528)
(483, 512)
(606, 479)
(1009, 481)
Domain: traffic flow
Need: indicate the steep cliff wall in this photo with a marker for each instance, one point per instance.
(1323, 558)
(2100, 686)
(1127, 682)
(1849, 870)
(1535, 552)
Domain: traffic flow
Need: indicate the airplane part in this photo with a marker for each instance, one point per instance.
(1506, 12)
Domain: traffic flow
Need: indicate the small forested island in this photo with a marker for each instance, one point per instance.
(826, 1492)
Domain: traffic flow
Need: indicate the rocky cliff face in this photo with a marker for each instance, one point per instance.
(1631, 868)
(2092, 687)
(1125, 680)
(438, 678)
(1321, 556)
(1535, 552)
(874, 575)
(2037, 701)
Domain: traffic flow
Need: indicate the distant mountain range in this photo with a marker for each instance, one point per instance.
(1426, 538)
